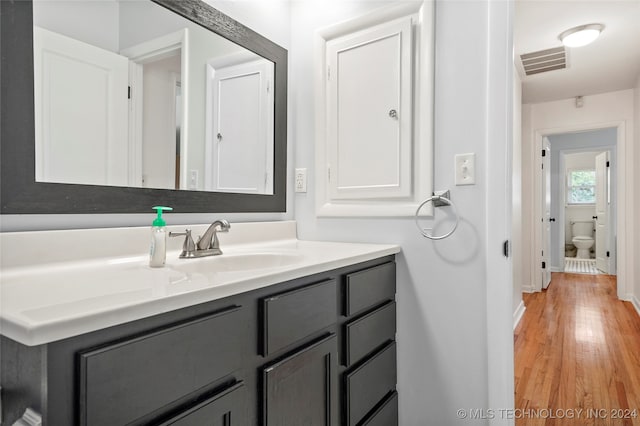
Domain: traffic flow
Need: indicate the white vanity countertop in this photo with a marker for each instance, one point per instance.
(44, 296)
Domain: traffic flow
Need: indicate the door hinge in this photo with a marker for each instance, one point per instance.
(544, 152)
(505, 248)
(128, 92)
(608, 254)
(544, 265)
(542, 166)
(607, 164)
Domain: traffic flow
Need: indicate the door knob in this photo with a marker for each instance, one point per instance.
(594, 217)
(552, 219)
(393, 113)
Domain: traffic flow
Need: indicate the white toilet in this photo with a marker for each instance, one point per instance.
(582, 232)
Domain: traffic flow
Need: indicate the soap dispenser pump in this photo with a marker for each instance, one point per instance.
(158, 250)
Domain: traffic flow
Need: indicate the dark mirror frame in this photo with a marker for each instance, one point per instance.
(21, 194)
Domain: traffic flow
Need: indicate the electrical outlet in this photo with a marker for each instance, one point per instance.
(465, 169)
(193, 179)
(301, 180)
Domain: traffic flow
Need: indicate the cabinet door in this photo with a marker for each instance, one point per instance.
(301, 389)
(369, 97)
(226, 408)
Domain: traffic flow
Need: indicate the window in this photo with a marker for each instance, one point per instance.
(581, 187)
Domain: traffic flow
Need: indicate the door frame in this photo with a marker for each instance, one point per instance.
(562, 213)
(624, 213)
(148, 51)
(545, 212)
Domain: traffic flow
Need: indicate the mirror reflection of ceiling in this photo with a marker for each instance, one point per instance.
(130, 94)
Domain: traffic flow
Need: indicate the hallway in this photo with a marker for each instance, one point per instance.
(577, 355)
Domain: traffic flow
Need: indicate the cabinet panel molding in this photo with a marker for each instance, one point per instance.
(300, 389)
(369, 332)
(369, 287)
(294, 315)
(145, 373)
(369, 383)
(226, 408)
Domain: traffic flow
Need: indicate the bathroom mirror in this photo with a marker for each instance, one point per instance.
(192, 154)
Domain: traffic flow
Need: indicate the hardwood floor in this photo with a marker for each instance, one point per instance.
(577, 355)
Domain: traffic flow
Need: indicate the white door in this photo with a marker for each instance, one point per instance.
(602, 211)
(239, 152)
(369, 90)
(80, 111)
(546, 212)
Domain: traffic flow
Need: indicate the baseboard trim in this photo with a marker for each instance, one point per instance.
(528, 289)
(517, 315)
(636, 303)
(556, 269)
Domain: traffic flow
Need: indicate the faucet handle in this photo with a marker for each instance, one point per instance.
(188, 247)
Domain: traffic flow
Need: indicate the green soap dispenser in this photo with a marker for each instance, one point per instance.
(158, 250)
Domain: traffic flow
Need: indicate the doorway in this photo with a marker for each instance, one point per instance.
(579, 202)
(617, 137)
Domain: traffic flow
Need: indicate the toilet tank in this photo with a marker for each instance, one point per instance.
(582, 228)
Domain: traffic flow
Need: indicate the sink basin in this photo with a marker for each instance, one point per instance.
(236, 262)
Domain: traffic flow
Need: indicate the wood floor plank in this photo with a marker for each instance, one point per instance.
(577, 347)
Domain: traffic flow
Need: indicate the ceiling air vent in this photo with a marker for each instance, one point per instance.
(544, 60)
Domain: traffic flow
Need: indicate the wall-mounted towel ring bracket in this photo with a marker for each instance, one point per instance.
(438, 201)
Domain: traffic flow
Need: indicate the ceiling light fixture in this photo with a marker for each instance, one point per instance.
(581, 36)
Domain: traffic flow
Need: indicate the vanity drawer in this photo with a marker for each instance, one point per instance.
(126, 380)
(365, 334)
(369, 383)
(226, 408)
(370, 287)
(386, 414)
(291, 316)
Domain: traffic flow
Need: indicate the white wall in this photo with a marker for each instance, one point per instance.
(443, 289)
(94, 22)
(602, 110)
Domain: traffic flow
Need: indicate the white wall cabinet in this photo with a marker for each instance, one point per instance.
(369, 85)
(374, 113)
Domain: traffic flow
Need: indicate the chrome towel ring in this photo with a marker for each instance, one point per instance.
(437, 200)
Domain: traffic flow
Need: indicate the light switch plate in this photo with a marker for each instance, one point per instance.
(301, 180)
(465, 169)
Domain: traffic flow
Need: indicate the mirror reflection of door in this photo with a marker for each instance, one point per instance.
(80, 111)
(239, 154)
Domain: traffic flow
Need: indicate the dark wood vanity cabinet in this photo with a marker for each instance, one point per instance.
(318, 350)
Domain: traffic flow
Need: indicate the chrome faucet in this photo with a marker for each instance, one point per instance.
(207, 245)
